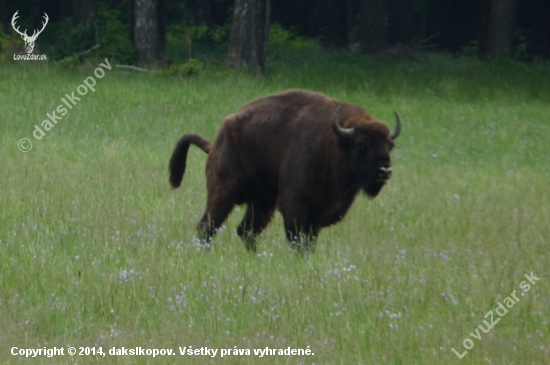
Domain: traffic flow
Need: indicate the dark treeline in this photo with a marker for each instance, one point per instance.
(518, 29)
(453, 23)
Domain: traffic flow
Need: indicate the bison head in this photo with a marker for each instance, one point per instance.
(368, 147)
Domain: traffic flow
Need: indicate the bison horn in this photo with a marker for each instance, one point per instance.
(397, 129)
(339, 131)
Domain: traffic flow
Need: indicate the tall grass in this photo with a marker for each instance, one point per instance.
(96, 250)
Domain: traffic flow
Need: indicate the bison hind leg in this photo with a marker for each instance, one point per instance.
(257, 217)
(216, 212)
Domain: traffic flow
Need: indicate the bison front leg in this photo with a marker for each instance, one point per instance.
(301, 235)
(257, 217)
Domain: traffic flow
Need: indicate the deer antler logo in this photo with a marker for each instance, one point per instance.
(29, 41)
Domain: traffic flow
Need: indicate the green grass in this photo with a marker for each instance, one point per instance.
(96, 250)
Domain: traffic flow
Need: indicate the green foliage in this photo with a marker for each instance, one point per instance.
(521, 51)
(9, 45)
(506, 66)
(287, 40)
(190, 68)
(66, 40)
(3, 39)
(471, 49)
(287, 49)
(69, 62)
(106, 29)
(114, 37)
(186, 41)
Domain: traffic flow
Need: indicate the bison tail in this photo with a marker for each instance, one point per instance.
(179, 156)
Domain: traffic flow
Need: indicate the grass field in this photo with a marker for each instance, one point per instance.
(97, 250)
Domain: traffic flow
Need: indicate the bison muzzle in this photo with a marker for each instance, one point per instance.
(301, 152)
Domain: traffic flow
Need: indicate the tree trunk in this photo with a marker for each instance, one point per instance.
(249, 34)
(484, 9)
(500, 34)
(147, 39)
(350, 19)
(373, 27)
(328, 18)
(539, 27)
(83, 10)
(50, 7)
(401, 19)
(65, 9)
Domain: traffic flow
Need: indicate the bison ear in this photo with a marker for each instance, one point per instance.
(397, 129)
(342, 133)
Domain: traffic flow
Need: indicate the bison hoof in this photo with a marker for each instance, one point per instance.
(250, 246)
(303, 247)
(249, 242)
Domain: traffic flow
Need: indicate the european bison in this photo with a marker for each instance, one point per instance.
(299, 151)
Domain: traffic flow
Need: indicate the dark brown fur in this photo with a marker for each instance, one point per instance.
(280, 151)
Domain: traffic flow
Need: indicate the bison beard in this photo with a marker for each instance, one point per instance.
(301, 152)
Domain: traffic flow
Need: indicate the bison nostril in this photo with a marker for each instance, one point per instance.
(384, 173)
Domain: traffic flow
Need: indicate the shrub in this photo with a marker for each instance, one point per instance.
(286, 40)
(190, 68)
(186, 41)
(69, 63)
